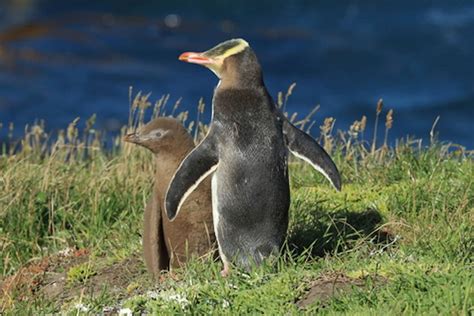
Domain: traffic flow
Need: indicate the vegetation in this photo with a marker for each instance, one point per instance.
(397, 239)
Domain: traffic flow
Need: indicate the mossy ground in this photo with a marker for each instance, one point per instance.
(398, 239)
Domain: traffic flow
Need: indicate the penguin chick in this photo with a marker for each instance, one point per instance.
(168, 243)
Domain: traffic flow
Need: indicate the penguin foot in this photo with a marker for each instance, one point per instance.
(225, 272)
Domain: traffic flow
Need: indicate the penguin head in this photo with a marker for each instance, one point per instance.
(232, 61)
(162, 135)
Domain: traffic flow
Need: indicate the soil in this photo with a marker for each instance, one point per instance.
(328, 287)
(47, 278)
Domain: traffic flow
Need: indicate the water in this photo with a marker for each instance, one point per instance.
(64, 59)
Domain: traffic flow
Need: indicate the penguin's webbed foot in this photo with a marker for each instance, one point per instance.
(226, 271)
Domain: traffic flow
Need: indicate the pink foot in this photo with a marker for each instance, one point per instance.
(225, 272)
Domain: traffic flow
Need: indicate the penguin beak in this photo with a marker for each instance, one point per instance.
(195, 58)
(131, 138)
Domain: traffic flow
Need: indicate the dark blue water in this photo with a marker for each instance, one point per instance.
(63, 59)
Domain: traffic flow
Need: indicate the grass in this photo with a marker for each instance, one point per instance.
(399, 235)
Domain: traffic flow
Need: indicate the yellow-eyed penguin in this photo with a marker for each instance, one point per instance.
(246, 151)
(192, 233)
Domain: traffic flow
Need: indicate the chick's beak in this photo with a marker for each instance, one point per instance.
(131, 138)
(195, 58)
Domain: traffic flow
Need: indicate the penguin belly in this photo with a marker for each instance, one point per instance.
(250, 203)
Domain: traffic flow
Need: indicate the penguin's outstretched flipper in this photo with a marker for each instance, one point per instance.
(305, 147)
(198, 164)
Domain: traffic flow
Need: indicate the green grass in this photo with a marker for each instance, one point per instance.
(405, 216)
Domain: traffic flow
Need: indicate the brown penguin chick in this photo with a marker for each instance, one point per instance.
(167, 243)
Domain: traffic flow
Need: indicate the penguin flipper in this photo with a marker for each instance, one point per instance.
(154, 248)
(195, 167)
(305, 147)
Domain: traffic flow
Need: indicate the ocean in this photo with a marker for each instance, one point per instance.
(65, 59)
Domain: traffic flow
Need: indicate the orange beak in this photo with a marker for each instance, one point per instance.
(195, 58)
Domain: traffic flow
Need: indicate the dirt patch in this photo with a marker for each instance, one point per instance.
(114, 278)
(28, 281)
(327, 287)
(48, 279)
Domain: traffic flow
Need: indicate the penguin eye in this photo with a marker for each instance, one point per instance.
(156, 134)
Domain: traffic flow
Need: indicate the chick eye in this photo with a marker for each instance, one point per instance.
(158, 134)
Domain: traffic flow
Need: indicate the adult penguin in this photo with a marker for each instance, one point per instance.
(246, 149)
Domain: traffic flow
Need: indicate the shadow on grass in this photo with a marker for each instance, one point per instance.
(323, 232)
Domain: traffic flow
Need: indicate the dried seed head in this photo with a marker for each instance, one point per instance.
(389, 119)
(72, 131)
(135, 101)
(379, 106)
(144, 103)
(90, 122)
(176, 105)
(280, 99)
(327, 126)
(290, 90)
(141, 101)
(363, 123)
(354, 129)
(37, 130)
(183, 116)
